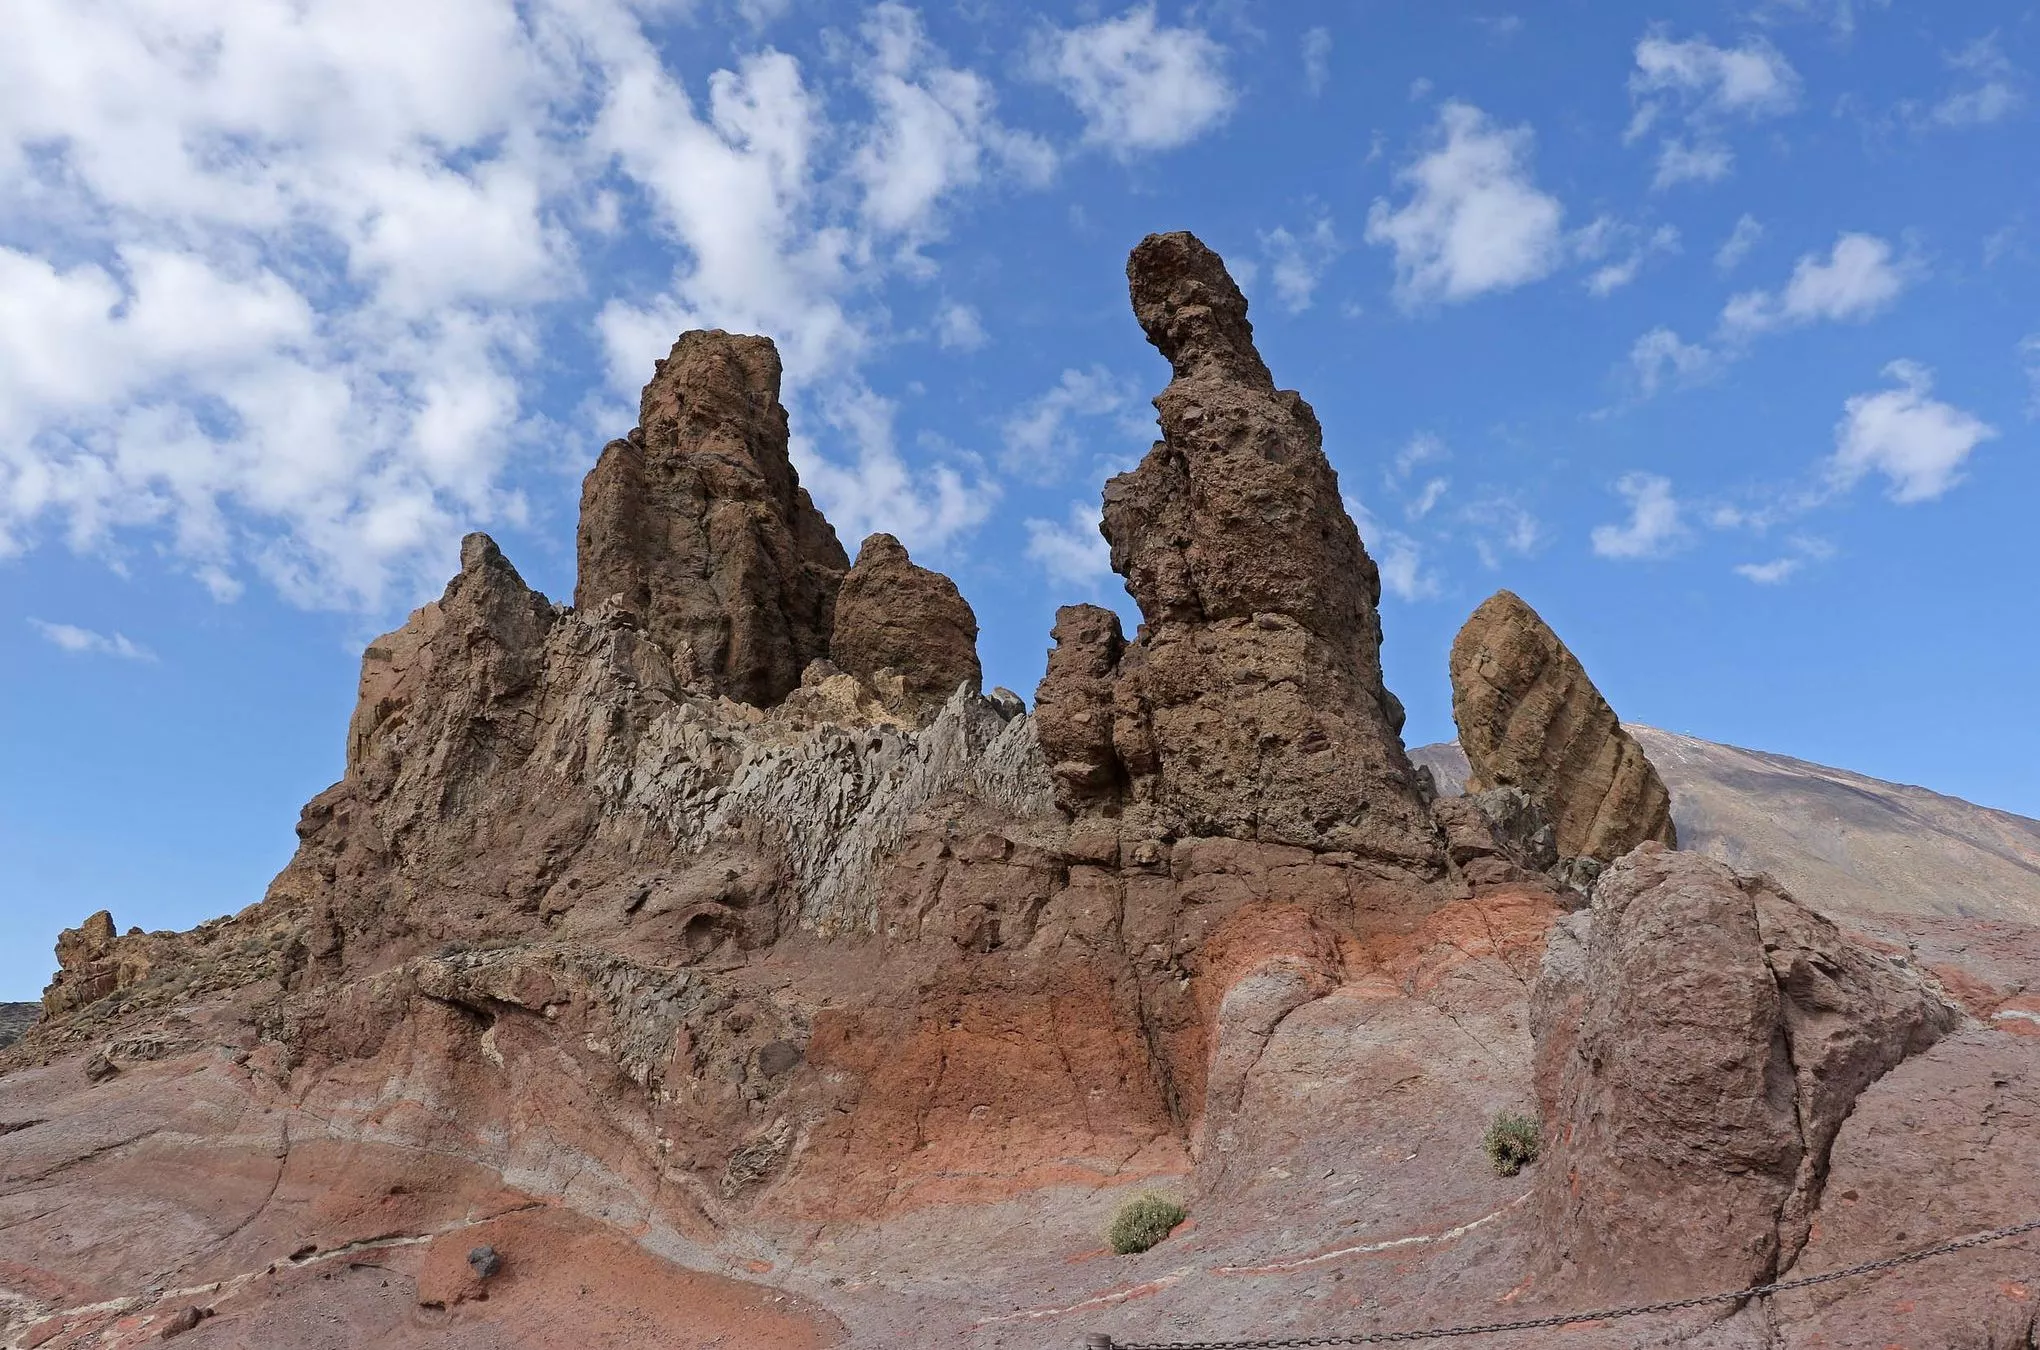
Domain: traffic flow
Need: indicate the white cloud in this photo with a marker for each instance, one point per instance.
(1740, 241)
(1425, 447)
(2029, 361)
(927, 506)
(1501, 525)
(1297, 262)
(1709, 86)
(1397, 556)
(1040, 441)
(1654, 528)
(1612, 277)
(1427, 498)
(85, 642)
(1071, 552)
(1317, 60)
(958, 328)
(1856, 279)
(1768, 573)
(1661, 354)
(1919, 443)
(1988, 88)
(1682, 162)
(934, 130)
(1140, 84)
(1474, 221)
(373, 232)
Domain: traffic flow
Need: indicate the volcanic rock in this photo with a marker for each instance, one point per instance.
(897, 621)
(1251, 705)
(699, 523)
(1530, 718)
(94, 961)
(1699, 1046)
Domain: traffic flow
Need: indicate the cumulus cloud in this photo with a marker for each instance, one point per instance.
(85, 642)
(1857, 278)
(1296, 262)
(1610, 277)
(1769, 573)
(377, 236)
(1655, 526)
(1988, 87)
(1317, 60)
(1660, 356)
(1917, 442)
(1140, 84)
(958, 328)
(1071, 551)
(1707, 87)
(1740, 241)
(1474, 220)
(1040, 438)
(1500, 526)
(1398, 557)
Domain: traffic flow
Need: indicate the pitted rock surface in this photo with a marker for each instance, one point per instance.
(1530, 718)
(1251, 704)
(1700, 1042)
(896, 622)
(699, 522)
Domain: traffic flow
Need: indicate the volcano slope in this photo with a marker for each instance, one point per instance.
(731, 993)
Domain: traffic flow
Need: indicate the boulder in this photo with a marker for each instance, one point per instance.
(1530, 718)
(899, 622)
(699, 523)
(1698, 1048)
(1251, 704)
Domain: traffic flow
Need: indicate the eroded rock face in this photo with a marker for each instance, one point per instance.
(698, 521)
(1700, 1043)
(1530, 718)
(94, 961)
(1252, 704)
(896, 622)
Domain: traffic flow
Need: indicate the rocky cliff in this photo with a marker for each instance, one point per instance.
(711, 961)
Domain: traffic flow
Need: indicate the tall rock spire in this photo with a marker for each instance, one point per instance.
(699, 522)
(1251, 704)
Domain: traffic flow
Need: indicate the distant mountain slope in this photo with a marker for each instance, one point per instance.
(1838, 840)
(15, 1020)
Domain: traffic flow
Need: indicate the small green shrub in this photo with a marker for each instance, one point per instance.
(1511, 1142)
(1143, 1221)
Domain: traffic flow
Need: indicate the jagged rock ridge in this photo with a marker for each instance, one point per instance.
(670, 950)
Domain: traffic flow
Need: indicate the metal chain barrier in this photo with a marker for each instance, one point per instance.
(1564, 1319)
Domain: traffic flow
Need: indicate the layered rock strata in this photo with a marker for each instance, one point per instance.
(903, 628)
(1251, 704)
(699, 523)
(1530, 718)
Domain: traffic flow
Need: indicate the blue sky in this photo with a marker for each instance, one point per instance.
(1711, 329)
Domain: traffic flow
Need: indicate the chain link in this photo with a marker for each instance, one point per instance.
(1598, 1315)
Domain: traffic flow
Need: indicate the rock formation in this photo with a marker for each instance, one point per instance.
(714, 955)
(1530, 718)
(94, 961)
(698, 521)
(1700, 1043)
(1252, 703)
(898, 622)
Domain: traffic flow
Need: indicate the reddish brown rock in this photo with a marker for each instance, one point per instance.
(1252, 704)
(1698, 1051)
(897, 621)
(1074, 708)
(94, 961)
(1530, 718)
(699, 522)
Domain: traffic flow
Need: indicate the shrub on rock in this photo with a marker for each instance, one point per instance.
(1143, 1221)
